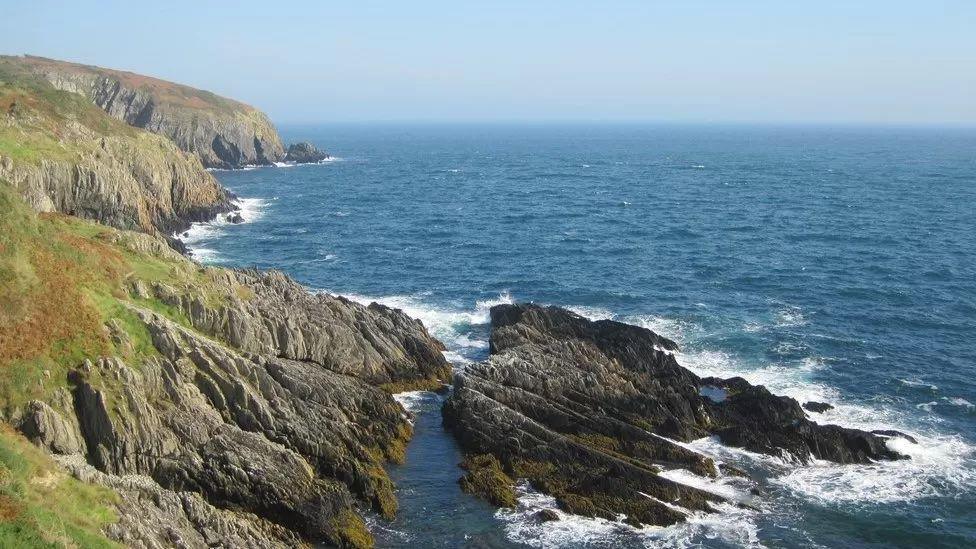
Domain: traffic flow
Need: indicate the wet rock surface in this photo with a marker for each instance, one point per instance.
(589, 412)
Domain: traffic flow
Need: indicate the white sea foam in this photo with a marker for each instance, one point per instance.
(789, 317)
(452, 326)
(919, 384)
(731, 524)
(411, 400)
(729, 487)
(199, 234)
(941, 464)
(591, 313)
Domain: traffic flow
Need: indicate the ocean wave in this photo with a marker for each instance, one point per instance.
(413, 401)
(201, 233)
(919, 384)
(249, 167)
(789, 317)
(455, 327)
(731, 524)
(591, 313)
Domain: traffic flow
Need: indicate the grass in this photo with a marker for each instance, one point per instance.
(61, 281)
(41, 506)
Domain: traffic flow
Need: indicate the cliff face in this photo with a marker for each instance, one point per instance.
(64, 154)
(225, 408)
(221, 132)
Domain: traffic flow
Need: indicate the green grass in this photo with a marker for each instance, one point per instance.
(41, 506)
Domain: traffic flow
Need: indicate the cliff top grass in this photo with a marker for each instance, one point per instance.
(62, 280)
(36, 120)
(41, 506)
(163, 92)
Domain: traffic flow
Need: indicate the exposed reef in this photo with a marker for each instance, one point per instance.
(590, 413)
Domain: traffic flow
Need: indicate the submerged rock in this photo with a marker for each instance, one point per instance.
(304, 153)
(818, 407)
(590, 412)
(547, 515)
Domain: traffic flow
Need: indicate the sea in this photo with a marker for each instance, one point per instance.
(834, 264)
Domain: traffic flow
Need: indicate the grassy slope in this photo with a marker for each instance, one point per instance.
(165, 93)
(61, 279)
(37, 114)
(171, 97)
(42, 506)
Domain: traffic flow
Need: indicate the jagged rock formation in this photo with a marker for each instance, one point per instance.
(305, 152)
(281, 318)
(221, 132)
(64, 154)
(229, 408)
(589, 412)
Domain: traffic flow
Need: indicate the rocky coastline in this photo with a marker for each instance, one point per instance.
(231, 408)
(591, 412)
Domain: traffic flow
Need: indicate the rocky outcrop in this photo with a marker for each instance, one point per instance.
(64, 154)
(304, 153)
(280, 318)
(591, 412)
(248, 415)
(153, 517)
(221, 132)
(155, 189)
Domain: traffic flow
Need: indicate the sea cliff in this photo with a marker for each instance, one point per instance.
(221, 132)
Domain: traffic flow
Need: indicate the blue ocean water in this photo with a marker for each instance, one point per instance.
(829, 264)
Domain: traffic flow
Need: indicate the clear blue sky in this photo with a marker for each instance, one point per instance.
(697, 61)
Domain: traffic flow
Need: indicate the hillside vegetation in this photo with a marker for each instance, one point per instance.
(221, 132)
(232, 406)
(65, 154)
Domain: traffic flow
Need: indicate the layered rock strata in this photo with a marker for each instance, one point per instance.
(591, 412)
(248, 413)
(221, 132)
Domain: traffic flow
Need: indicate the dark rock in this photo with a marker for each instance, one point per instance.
(588, 412)
(732, 470)
(235, 217)
(818, 407)
(893, 433)
(304, 153)
(547, 515)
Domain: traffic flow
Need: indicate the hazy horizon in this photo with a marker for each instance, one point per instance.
(877, 63)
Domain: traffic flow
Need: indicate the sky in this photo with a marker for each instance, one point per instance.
(825, 62)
